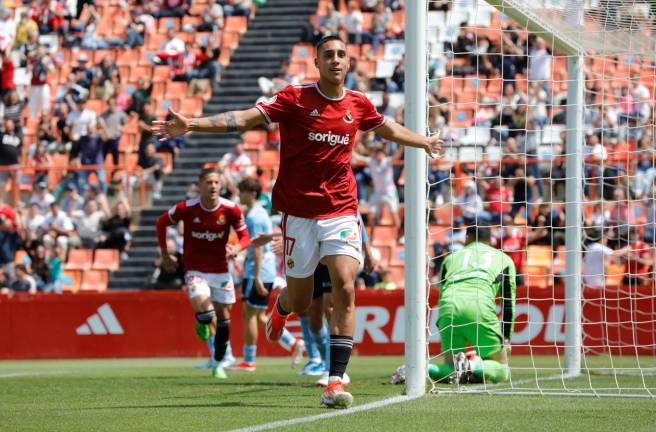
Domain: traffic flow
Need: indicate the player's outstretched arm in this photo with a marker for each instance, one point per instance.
(231, 121)
(393, 131)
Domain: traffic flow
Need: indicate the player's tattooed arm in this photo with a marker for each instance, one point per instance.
(231, 121)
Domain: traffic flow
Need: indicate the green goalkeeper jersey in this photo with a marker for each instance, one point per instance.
(479, 273)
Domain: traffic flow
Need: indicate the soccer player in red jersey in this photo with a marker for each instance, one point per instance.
(315, 190)
(207, 223)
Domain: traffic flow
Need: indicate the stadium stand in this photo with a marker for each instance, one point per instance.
(480, 112)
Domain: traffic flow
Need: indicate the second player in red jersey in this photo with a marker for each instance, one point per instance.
(206, 233)
(207, 224)
(317, 134)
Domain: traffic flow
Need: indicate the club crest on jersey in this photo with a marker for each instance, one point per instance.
(348, 117)
(290, 263)
(270, 101)
(221, 220)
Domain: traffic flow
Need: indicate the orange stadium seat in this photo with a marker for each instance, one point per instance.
(254, 139)
(71, 281)
(237, 24)
(94, 280)
(191, 106)
(384, 236)
(79, 259)
(137, 72)
(161, 74)
(20, 255)
(106, 259)
(230, 40)
(175, 90)
(539, 256)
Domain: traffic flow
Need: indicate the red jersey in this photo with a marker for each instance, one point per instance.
(638, 250)
(206, 233)
(515, 247)
(499, 200)
(317, 134)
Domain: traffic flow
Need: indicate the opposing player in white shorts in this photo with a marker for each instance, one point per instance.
(207, 223)
(315, 189)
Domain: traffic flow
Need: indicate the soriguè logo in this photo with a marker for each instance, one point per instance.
(329, 137)
(209, 236)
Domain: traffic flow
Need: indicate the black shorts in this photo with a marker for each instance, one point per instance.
(252, 298)
(322, 284)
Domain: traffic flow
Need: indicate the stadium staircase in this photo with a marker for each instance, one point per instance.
(268, 40)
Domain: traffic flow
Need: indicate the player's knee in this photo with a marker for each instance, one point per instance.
(205, 317)
(344, 296)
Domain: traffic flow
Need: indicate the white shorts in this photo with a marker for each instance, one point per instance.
(217, 286)
(391, 198)
(306, 241)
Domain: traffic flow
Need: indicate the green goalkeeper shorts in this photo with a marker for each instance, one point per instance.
(463, 322)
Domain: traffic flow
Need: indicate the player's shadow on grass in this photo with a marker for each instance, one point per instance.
(227, 404)
(247, 383)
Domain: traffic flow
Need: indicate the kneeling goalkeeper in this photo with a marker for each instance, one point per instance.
(470, 281)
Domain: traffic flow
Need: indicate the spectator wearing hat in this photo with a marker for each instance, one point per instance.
(42, 198)
(71, 200)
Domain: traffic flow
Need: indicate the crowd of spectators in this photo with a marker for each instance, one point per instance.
(64, 125)
(522, 189)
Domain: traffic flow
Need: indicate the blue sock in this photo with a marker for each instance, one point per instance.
(312, 350)
(322, 341)
(287, 340)
(210, 345)
(250, 351)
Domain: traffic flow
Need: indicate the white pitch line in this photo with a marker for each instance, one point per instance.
(23, 374)
(338, 413)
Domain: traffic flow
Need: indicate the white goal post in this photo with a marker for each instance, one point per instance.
(578, 30)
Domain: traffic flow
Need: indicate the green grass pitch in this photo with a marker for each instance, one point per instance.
(171, 395)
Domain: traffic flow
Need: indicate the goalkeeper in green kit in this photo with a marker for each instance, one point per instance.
(470, 281)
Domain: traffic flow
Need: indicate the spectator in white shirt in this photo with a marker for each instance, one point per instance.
(354, 22)
(171, 49)
(33, 221)
(236, 162)
(385, 193)
(58, 227)
(539, 62)
(42, 197)
(88, 223)
(471, 204)
(596, 257)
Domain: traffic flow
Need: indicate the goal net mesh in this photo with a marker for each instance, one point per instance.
(497, 84)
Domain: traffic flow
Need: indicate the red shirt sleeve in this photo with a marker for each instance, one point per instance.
(239, 225)
(280, 106)
(173, 216)
(371, 119)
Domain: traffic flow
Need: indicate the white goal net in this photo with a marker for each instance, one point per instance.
(547, 111)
